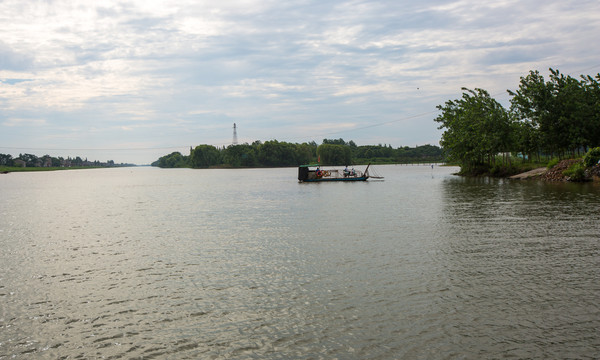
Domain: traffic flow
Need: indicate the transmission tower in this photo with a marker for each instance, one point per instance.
(234, 134)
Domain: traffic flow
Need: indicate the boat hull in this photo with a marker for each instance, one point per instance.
(360, 178)
(306, 174)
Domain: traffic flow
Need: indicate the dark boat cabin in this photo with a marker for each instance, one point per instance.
(304, 173)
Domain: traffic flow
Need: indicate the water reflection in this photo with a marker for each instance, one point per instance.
(145, 263)
(522, 265)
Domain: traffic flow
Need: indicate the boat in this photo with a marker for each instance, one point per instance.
(314, 173)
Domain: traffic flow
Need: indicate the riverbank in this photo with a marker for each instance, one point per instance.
(557, 172)
(529, 174)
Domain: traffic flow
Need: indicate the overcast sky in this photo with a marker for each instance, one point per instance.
(134, 80)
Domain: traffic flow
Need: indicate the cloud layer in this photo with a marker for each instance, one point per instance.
(156, 75)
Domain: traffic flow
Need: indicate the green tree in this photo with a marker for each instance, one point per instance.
(590, 111)
(339, 141)
(477, 128)
(173, 160)
(331, 154)
(275, 153)
(527, 141)
(204, 156)
(6, 160)
(592, 157)
(563, 111)
(531, 104)
(243, 155)
(567, 106)
(305, 153)
(30, 160)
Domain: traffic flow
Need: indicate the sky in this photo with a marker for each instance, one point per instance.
(131, 81)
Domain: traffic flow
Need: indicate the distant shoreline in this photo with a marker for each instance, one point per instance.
(11, 169)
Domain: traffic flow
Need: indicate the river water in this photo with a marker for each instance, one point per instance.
(146, 263)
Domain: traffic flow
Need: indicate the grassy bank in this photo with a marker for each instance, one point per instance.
(582, 168)
(501, 170)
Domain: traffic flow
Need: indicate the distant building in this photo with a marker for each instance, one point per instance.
(19, 163)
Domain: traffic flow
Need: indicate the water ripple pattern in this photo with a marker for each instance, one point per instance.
(146, 263)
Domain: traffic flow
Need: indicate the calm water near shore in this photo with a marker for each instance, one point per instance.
(147, 263)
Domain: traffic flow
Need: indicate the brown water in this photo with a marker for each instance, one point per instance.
(184, 264)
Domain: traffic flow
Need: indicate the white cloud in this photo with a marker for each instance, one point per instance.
(171, 71)
(23, 122)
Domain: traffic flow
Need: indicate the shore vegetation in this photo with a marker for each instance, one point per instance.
(275, 153)
(548, 121)
(30, 162)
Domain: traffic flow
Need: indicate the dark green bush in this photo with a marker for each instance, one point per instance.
(503, 170)
(576, 172)
(592, 157)
(552, 163)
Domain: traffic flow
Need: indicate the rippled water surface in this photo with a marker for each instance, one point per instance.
(148, 263)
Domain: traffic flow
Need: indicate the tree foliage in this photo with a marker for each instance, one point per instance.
(331, 154)
(31, 160)
(173, 160)
(204, 156)
(6, 160)
(240, 155)
(275, 153)
(592, 157)
(562, 114)
(477, 128)
(559, 116)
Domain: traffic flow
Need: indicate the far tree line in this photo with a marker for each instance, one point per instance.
(558, 117)
(30, 160)
(274, 153)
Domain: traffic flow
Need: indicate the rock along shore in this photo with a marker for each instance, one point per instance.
(556, 173)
